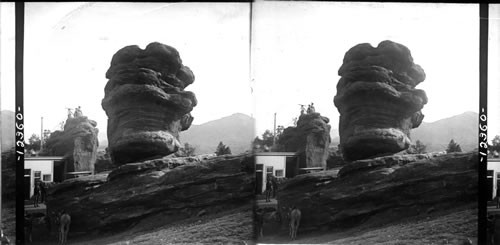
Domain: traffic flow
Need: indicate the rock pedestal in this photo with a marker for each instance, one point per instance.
(311, 135)
(85, 145)
(78, 143)
(377, 100)
(146, 103)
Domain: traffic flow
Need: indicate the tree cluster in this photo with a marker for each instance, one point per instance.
(453, 147)
(494, 147)
(417, 148)
(222, 149)
(186, 151)
(267, 142)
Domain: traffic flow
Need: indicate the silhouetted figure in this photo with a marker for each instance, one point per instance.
(259, 222)
(28, 227)
(302, 110)
(43, 192)
(36, 194)
(269, 186)
(295, 216)
(312, 108)
(274, 182)
(70, 113)
(64, 223)
(490, 227)
(78, 112)
(498, 197)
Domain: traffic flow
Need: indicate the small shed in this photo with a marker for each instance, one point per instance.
(493, 176)
(277, 164)
(46, 169)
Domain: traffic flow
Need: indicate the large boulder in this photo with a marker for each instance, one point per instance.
(146, 103)
(382, 190)
(78, 143)
(377, 100)
(167, 188)
(312, 136)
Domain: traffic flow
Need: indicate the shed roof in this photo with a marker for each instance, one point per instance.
(43, 158)
(276, 153)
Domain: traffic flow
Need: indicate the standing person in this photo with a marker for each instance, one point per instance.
(43, 192)
(498, 197)
(37, 194)
(274, 182)
(269, 186)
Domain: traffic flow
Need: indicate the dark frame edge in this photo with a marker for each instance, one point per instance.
(19, 120)
(483, 110)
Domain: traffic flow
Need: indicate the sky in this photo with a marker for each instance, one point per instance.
(296, 51)
(7, 55)
(69, 47)
(299, 47)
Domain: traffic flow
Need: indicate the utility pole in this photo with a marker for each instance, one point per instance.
(41, 136)
(274, 131)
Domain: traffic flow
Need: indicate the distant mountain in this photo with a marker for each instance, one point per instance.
(462, 128)
(7, 131)
(236, 131)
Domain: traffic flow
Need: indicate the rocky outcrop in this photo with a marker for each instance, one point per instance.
(382, 190)
(170, 189)
(312, 135)
(146, 103)
(377, 100)
(103, 162)
(77, 142)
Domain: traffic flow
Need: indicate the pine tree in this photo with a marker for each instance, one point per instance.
(453, 147)
(222, 149)
(420, 147)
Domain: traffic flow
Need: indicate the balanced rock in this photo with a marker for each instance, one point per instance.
(146, 103)
(77, 143)
(312, 136)
(168, 189)
(383, 190)
(377, 100)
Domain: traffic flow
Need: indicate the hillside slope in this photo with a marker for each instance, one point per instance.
(236, 131)
(7, 134)
(462, 128)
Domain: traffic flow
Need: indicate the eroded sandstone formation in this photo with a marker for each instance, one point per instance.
(311, 135)
(167, 189)
(383, 190)
(78, 143)
(146, 103)
(377, 100)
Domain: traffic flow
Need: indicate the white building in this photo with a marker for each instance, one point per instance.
(278, 164)
(493, 176)
(40, 169)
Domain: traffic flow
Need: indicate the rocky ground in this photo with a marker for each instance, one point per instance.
(9, 221)
(437, 228)
(230, 227)
(235, 227)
